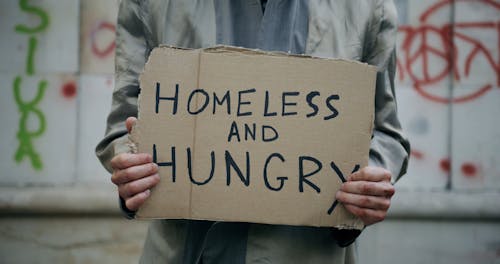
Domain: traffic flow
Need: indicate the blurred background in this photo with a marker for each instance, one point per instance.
(57, 204)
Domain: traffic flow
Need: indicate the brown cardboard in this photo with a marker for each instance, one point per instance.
(346, 96)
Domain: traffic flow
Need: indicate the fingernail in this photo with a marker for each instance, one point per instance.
(147, 192)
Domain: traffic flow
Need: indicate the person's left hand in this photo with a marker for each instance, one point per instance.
(367, 194)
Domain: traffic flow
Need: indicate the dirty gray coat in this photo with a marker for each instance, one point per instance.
(363, 30)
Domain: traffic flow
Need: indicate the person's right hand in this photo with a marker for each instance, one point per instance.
(134, 175)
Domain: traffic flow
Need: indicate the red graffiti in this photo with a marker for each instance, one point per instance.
(417, 154)
(108, 49)
(68, 90)
(109, 82)
(443, 54)
(445, 165)
(469, 169)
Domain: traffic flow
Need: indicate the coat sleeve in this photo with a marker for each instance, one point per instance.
(389, 147)
(131, 55)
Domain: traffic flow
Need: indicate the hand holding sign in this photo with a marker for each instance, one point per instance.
(245, 135)
(134, 175)
(367, 194)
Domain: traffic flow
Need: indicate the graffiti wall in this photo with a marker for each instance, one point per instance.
(56, 75)
(38, 76)
(449, 92)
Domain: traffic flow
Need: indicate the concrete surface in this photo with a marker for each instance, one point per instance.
(80, 239)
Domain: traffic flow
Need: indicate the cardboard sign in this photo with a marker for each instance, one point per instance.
(246, 135)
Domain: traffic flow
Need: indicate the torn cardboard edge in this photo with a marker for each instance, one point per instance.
(246, 51)
(162, 72)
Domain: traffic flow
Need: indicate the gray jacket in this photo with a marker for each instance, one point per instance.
(363, 30)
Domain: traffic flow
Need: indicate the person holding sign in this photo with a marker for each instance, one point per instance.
(362, 30)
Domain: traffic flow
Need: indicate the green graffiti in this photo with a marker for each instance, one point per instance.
(30, 59)
(44, 18)
(27, 109)
(24, 135)
(32, 44)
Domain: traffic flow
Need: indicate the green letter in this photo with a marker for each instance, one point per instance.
(44, 18)
(23, 135)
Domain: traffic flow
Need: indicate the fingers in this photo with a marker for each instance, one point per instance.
(126, 160)
(133, 188)
(374, 174)
(129, 123)
(369, 216)
(133, 173)
(384, 189)
(364, 201)
(137, 200)
(367, 194)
